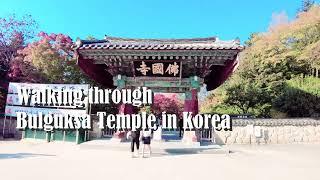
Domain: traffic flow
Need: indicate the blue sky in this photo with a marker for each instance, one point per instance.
(226, 19)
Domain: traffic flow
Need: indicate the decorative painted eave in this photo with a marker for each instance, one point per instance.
(211, 43)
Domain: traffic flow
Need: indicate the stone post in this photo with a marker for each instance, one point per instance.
(191, 105)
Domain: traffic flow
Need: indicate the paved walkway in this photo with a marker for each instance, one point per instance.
(52, 161)
(164, 148)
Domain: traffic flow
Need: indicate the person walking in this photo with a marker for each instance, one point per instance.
(181, 130)
(134, 136)
(146, 139)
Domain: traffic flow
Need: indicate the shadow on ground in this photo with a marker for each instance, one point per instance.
(21, 155)
(190, 151)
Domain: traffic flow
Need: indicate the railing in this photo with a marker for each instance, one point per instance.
(7, 126)
(206, 135)
(108, 132)
(315, 72)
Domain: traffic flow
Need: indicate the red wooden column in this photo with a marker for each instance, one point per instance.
(123, 109)
(120, 82)
(191, 105)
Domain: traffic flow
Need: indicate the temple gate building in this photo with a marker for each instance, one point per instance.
(164, 65)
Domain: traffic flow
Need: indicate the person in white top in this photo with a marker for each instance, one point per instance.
(146, 139)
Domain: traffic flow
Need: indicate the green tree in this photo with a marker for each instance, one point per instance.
(300, 98)
(248, 98)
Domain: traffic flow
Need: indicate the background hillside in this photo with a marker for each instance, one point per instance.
(279, 73)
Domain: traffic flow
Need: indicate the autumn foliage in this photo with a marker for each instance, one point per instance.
(47, 60)
(24, 57)
(167, 103)
(279, 71)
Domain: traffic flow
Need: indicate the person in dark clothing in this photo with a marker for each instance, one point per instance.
(181, 131)
(135, 139)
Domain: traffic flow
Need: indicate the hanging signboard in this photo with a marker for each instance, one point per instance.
(13, 87)
(12, 111)
(157, 69)
(14, 104)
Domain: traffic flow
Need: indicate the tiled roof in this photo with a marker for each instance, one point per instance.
(210, 43)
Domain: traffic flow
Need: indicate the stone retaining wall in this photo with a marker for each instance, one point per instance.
(270, 131)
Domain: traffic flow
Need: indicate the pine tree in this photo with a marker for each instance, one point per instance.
(306, 5)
